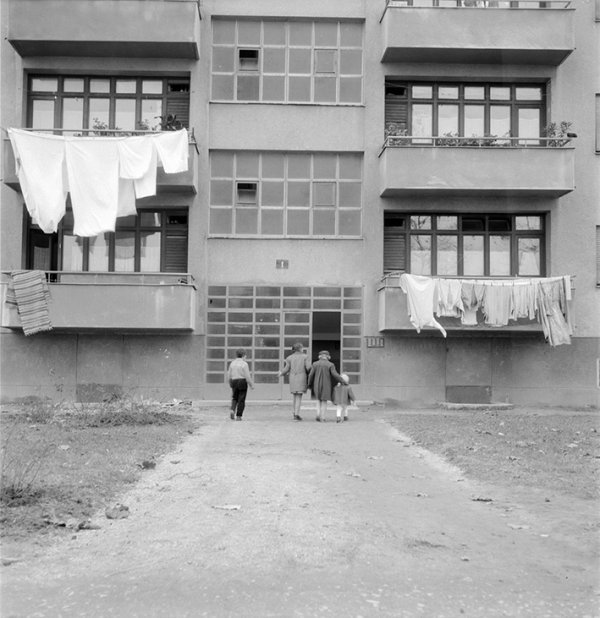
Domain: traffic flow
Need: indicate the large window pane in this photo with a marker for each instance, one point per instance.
(422, 122)
(420, 254)
(151, 114)
(42, 114)
(150, 252)
(529, 125)
(99, 110)
(499, 256)
(447, 255)
(473, 257)
(124, 251)
(500, 121)
(474, 121)
(98, 253)
(529, 256)
(72, 257)
(125, 114)
(447, 119)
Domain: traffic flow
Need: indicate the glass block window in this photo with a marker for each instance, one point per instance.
(287, 61)
(267, 320)
(285, 194)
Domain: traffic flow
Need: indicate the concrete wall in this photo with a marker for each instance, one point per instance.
(81, 367)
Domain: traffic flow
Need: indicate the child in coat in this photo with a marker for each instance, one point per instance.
(343, 397)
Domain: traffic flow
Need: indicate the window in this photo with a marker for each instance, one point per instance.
(293, 194)
(598, 123)
(127, 103)
(465, 110)
(152, 241)
(287, 62)
(470, 245)
(267, 320)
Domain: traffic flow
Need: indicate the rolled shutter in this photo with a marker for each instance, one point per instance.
(394, 249)
(176, 250)
(178, 101)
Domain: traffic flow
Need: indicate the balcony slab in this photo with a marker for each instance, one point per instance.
(474, 35)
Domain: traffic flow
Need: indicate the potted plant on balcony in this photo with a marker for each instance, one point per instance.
(395, 133)
(559, 134)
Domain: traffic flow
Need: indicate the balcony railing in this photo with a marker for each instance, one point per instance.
(478, 31)
(477, 166)
(91, 301)
(182, 182)
(105, 28)
(479, 4)
(489, 141)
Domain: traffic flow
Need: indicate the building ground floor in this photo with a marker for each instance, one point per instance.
(404, 369)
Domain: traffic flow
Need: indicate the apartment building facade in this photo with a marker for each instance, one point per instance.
(333, 147)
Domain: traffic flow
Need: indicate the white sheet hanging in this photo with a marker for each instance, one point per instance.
(41, 171)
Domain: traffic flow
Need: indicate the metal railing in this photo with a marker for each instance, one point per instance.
(98, 278)
(479, 4)
(101, 132)
(444, 141)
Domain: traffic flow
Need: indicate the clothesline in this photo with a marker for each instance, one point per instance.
(104, 175)
(545, 299)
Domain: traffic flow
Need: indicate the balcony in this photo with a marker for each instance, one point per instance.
(102, 28)
(478, 31)
(183, 182)
(133, 302)
(393, 315)
(474, 167)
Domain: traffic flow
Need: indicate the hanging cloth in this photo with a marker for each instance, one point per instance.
(420, 291)
(40, 161)
(173, 150)
(137, 162)
(28, 289)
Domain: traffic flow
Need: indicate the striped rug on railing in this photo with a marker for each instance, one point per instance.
(28, 290)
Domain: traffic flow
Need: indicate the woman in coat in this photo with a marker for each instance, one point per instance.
(321, 380)
(297, 365)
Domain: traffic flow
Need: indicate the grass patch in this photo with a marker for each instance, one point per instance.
(60, 464)
(547, 449)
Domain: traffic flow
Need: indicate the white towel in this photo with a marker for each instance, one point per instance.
(41, 171)
(173, 150)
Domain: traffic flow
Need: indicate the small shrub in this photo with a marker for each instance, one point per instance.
(127, 412)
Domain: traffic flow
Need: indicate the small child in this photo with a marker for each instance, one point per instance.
(343, 397)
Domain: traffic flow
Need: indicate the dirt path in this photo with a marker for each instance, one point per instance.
(271, 518)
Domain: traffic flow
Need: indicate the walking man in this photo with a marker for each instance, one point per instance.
(239, 380)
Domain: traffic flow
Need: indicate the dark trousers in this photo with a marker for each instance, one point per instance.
(239, 390)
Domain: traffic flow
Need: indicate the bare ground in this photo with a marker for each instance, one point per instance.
(273, 518)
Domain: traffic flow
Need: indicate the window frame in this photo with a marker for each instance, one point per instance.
(167, 230)
(170, 88)
(295, 197)
(288, 84)
(433, 233)
(461, 101)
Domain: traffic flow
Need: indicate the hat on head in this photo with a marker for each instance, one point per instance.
(345, 377)
(324, 353)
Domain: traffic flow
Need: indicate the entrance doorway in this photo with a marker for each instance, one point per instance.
(326, 335)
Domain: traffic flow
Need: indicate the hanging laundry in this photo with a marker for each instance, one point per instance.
(556, 328)
(41, 171)
(93, 172)
(173, 150)
(137, 162)
(420, 291)
(470, 301)
(103, 174)
(449, 298)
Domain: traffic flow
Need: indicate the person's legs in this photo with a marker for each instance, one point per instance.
(338, 413)
(297, 404)
(322, 410)
(345, 412)
(241, 400)
(234, 398)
